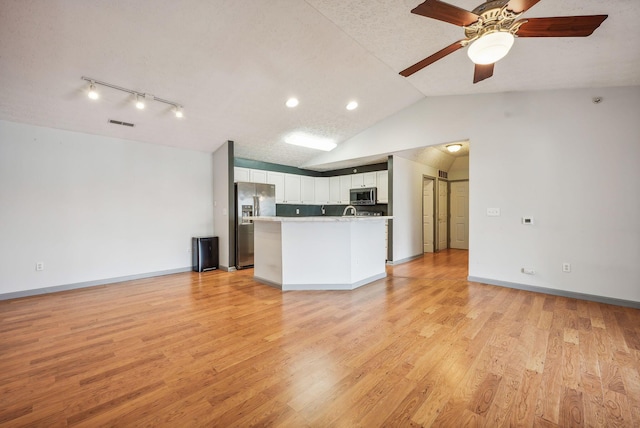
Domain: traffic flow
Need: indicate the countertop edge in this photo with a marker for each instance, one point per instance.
(312, 219)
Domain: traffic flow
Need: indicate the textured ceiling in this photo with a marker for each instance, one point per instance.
(233, 64)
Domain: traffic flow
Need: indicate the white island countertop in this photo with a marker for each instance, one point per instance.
(319, 252)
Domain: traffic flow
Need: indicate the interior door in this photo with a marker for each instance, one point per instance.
(443, 214)
(428, 229)
(459, 224)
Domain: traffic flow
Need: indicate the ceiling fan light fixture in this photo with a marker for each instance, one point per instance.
(490, 47)
(452, 148)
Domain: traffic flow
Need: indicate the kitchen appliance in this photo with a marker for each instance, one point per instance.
(204, 253)
(363, 196)
(252, 199)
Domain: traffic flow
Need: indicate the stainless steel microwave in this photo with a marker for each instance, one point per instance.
(363, 196)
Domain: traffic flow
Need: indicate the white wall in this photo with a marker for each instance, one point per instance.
(553, 155)
(93, 208)
(221, 202)
(459, 169)
(407, 207)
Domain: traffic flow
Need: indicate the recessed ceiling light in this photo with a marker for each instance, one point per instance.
(292, 102)
(310, 141)
(352, 105)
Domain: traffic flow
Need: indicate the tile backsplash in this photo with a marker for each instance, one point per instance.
(288, 210)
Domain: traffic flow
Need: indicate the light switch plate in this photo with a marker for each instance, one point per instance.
(493, 212)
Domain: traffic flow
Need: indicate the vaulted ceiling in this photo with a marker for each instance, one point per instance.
(233, 64)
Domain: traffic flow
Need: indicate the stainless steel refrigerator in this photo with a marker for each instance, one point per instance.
(252, 199)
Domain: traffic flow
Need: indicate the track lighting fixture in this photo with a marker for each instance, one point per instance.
(141, 97)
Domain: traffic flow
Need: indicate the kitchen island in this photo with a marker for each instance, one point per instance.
(319, 253)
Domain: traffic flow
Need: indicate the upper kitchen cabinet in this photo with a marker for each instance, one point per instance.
(322, 190)
(339, 187)
(241, 174)
(366, 179)
(382, 183)
(307, 190)
(277, 179)
(258, 176)
(292, 189)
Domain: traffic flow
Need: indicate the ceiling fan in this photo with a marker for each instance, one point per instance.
(490, 29)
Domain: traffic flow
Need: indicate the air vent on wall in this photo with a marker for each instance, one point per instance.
(119, 122)
(443, 174)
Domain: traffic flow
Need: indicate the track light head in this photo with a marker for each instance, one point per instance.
(139, 102)
(93, 93)
(178, 111)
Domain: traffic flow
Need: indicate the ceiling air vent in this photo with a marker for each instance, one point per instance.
(119, 122)
(443, 174)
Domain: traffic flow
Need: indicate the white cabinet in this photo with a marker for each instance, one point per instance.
(258, 176)
(334, 190)
(241, 174)
(307, 190)
(357, 180)
(366, 179)
(277, 179)
(382, 183)
(369, 179)
(292, 189)
(323, 189)
(339, 189)
(345, 186)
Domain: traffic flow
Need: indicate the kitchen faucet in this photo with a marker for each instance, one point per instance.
(347, 208)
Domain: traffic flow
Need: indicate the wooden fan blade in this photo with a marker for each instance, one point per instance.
(445, 12)
(433, 58)
(482, 71)
(518, 6)
(562, 26)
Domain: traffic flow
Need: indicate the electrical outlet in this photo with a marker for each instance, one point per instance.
(528, 271)
(566, 267)
(493, 212)
(297, 210)
(40, 266)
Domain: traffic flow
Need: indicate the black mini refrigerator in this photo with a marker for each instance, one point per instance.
(204, 253)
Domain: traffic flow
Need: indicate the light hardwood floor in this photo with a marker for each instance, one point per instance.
(421, 347)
